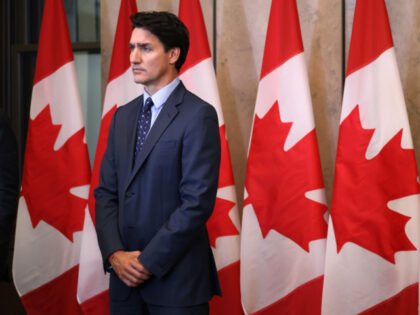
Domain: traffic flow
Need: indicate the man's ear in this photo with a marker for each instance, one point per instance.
(174, 55)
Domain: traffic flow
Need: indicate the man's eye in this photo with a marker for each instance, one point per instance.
(131, 46)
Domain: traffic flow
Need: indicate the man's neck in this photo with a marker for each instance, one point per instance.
(152, 89)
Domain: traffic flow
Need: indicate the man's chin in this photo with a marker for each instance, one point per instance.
(140, 80)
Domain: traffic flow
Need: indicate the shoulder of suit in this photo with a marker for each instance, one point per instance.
(197, 108)
(132, 105)
(194, 100)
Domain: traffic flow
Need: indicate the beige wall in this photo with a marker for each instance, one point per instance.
(240, 38)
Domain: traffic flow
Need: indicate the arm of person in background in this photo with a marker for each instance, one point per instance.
(9, 190)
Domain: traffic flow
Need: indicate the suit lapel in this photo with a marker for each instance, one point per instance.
(167, 114)
(132, 129)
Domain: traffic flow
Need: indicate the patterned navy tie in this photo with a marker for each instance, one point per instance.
(143, 126)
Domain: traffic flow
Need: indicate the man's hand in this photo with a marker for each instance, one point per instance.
(128, 268)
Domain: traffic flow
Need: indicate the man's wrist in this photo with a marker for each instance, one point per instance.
(110, 257)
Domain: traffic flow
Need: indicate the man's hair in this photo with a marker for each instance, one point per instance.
(167, 28)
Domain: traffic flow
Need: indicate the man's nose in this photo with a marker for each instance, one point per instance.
(135, 56)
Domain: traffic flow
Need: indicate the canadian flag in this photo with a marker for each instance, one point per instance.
(372, 264)
(93, 283)
(283, 226)
(56, 178)
(198, 76)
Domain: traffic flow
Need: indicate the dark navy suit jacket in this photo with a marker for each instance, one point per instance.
(161, 204)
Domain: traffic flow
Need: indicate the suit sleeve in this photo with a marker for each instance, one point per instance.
(198, 187)
(9, 180)
(9, 190)
(106, 201)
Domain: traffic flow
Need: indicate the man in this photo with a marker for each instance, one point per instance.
(9, 190)
(158, 182)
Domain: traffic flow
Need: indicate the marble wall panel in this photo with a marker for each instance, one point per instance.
(321, 23)
(240, 39)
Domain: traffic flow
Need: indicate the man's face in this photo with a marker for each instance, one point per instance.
(152, 66)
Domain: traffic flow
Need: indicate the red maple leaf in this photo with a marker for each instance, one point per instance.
(49, 175)
(277, 181)
(220, 224)
(362, 189)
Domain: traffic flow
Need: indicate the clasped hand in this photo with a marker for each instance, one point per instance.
(128, 268)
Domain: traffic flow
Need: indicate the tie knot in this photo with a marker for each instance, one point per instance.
(148, 104)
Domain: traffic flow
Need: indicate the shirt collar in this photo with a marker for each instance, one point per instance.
(160, 97)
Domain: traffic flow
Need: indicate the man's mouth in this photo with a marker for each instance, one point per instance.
(138, 70)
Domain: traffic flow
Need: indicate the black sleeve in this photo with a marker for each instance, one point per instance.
(9, 188)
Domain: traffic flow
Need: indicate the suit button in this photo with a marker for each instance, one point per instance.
(129, 193)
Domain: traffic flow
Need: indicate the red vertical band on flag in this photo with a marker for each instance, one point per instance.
(305, 299)
(190, 13)
(371, 30)
(55, 297)
(228, 278)
(54, 47)
(120, 61)
(405, 302)
(283, 39)
(97, 305)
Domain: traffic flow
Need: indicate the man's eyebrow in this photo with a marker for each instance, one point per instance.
(140, 45)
